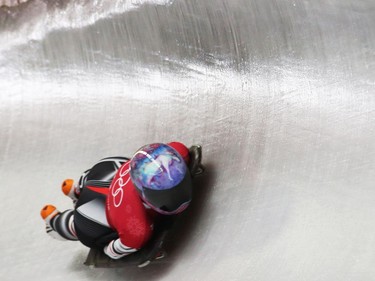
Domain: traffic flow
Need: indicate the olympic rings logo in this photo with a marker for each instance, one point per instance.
(117, 187)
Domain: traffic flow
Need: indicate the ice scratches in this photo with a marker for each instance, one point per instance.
(36, 18)
(10, 3)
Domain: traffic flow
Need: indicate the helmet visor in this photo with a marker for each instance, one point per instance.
(170, 201)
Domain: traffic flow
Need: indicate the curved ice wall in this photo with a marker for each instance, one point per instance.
(279, 93)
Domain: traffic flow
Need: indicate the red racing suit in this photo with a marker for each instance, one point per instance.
(128, 214)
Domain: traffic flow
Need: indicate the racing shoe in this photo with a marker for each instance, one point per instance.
(69, 189)
(195, 166)
(48, 212)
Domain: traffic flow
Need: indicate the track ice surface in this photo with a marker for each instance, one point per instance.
(279, 93)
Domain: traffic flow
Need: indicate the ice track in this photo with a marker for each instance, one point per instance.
(279, 93)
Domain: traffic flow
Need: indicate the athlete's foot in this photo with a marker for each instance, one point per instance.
(48, 212)
(69, 189)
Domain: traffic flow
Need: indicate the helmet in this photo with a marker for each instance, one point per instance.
(162, 178)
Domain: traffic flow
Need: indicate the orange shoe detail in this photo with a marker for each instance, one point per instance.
(48, 212)
(67, 186)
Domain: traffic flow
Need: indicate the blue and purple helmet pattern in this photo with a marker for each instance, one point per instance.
(157, 166)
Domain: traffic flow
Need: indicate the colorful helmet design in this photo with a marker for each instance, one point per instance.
(162, 178)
